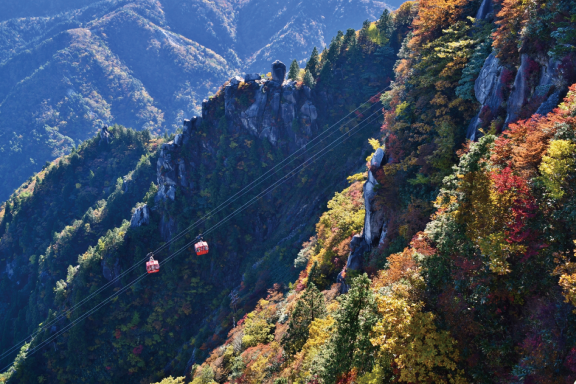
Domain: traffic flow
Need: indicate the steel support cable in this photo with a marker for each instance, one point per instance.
(219, 208)
(214, 227)
(182, 233)
(258, 180)
(287, 176)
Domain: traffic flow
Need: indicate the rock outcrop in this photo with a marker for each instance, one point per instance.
(140, 217)
(278, 71)
(540, 99)
(488, 91)
(374, 219)
(485, 10)
(273, 110)
(520, 90)
(104, 135)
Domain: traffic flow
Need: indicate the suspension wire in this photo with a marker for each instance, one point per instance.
(258, 180)
(291, 174)
(219, 208)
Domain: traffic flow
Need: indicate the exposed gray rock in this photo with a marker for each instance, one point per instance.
(182, 176)
(278, 71)
(252, 77)
(358, 247)
(110, 272)
(250, 117)
(484, 10)
(161, 194)
(104, 135)
(520, 91)
(548, 72)
(288, 95)
(374, 218)
(488, 91)
(288, 115)
(140, 217)
(383, 234)
(487, 79)
(171, 193)
(309, 111)
(178, 139)
(377, 158)
(236, 80)
(549, 105)
(275, 102)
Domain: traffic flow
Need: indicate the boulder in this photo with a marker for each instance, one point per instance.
(278, 71)
(140, 217)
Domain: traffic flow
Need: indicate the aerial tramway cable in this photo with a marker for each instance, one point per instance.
(232, 199)
(223, 205)
(272, 187)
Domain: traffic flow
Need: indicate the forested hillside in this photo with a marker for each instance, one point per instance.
(451, 258)
(69, 67)
(90, 216)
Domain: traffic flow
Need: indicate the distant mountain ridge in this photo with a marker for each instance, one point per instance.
(68, 68)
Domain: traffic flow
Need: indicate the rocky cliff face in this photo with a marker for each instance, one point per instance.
(537, 88)
(279, 112)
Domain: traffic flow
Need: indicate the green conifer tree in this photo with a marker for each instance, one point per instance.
(385, 25)
(312, 65)
(325, 76)
(350, 345)
(334, 50)
(310, 306)
(294, 71)
(349, 39)
(308, 79)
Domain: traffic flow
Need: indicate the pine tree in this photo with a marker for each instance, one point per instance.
(294, 71)
(334, 50)
(325, 76)
(385, 25)
(349, 39)
(350, 345)
(310, 306)
(312, 65)
(308, 79)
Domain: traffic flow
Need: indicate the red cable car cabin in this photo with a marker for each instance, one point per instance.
(201, 248)
(152, 266)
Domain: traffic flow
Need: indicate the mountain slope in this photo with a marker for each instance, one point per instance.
(457, 263)
(169, 320)
(138, 63)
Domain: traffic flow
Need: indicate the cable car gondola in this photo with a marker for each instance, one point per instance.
(201, 247)
(152, 266)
